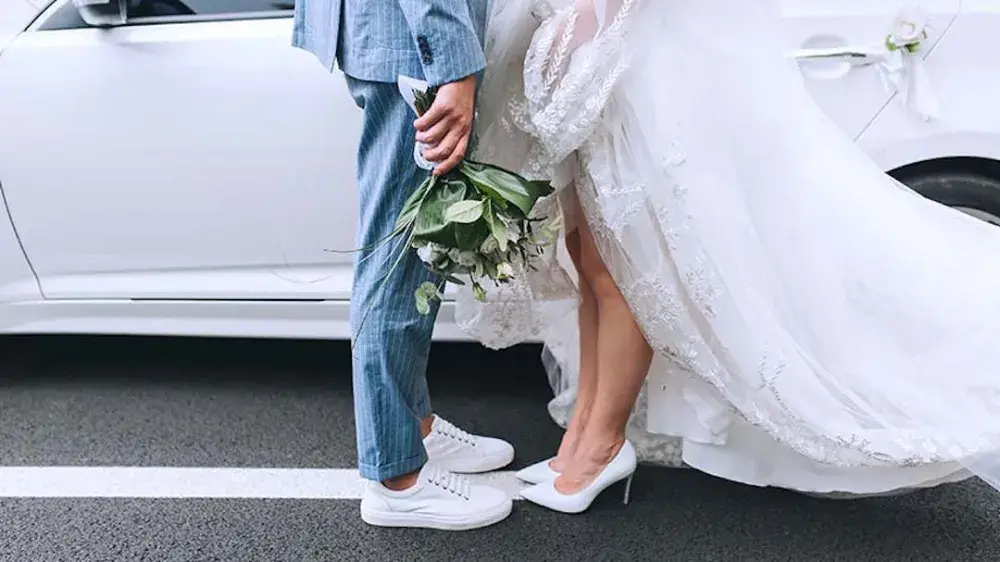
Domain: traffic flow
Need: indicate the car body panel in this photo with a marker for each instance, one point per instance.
(207, 160)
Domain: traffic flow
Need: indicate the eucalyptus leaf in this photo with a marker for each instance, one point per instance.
(428, 290)
(465, 212)
(423, 305)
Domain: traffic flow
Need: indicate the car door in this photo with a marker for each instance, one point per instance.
(189, 154)
(853, 95)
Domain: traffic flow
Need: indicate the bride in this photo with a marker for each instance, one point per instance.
(775, 307)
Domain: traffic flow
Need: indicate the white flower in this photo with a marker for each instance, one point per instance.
(432, 253)
(505, 271)
(909, 28)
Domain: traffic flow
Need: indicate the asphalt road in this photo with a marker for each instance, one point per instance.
(94, 402)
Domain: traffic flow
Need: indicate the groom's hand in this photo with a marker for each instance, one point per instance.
(446, 125)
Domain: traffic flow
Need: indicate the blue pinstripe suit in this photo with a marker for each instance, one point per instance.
(374, 42)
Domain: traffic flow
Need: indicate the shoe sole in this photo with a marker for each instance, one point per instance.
(487, 465)
(454, 523)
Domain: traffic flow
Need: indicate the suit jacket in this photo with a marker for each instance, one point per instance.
(377, 40)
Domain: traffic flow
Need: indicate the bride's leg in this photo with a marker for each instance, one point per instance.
(623, 359)
(587, 382)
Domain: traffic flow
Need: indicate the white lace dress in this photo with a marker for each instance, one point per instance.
(818, 326)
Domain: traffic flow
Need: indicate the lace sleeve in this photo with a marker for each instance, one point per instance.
(575, 59)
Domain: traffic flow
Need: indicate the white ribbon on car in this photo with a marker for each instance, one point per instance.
(906, 75)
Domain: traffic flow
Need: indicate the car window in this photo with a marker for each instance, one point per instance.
(143, 12)
(154, 8)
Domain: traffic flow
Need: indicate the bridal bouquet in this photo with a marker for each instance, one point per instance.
(472, 225)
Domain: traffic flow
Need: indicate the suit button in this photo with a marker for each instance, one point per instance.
(425, 50)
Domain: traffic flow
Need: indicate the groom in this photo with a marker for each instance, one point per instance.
(411, 456)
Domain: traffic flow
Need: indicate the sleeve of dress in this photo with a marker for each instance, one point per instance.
(575, 60)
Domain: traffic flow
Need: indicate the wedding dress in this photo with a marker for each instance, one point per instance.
(818, 326)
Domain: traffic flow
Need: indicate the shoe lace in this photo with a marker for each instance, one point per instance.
(451, 431)
(453, 483)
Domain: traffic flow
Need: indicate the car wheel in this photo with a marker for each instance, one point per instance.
(971, 193)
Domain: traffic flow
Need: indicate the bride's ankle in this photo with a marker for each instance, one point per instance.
(571, 438)
(567, 450)
(598, 449)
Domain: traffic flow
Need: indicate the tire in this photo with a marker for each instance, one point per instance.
(972, 193)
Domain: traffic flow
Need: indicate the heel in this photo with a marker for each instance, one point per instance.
(628, 487)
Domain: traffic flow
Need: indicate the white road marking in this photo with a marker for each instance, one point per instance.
(169, 482)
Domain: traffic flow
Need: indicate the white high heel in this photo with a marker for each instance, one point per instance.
(537, 473)
(621, 467)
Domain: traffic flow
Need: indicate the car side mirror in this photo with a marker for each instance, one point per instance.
(103, 13)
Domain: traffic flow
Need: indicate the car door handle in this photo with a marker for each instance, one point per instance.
(857, 56)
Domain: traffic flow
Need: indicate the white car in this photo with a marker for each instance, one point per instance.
(185, 171)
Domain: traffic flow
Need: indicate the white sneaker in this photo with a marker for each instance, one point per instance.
(439, 500)
(458, 451)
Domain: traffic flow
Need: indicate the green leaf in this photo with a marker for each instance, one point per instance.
(498, 229)
(469, 237)
(423, 101)
(540, 188)
(465, 212)
(412, 205)
(505, 187)
(430, 224)
(402, 251)
(406, 218)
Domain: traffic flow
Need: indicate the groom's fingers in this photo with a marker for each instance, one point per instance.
(455, 158)
(446, 125)
(440, 113)
(443, 150)
(434, 135)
